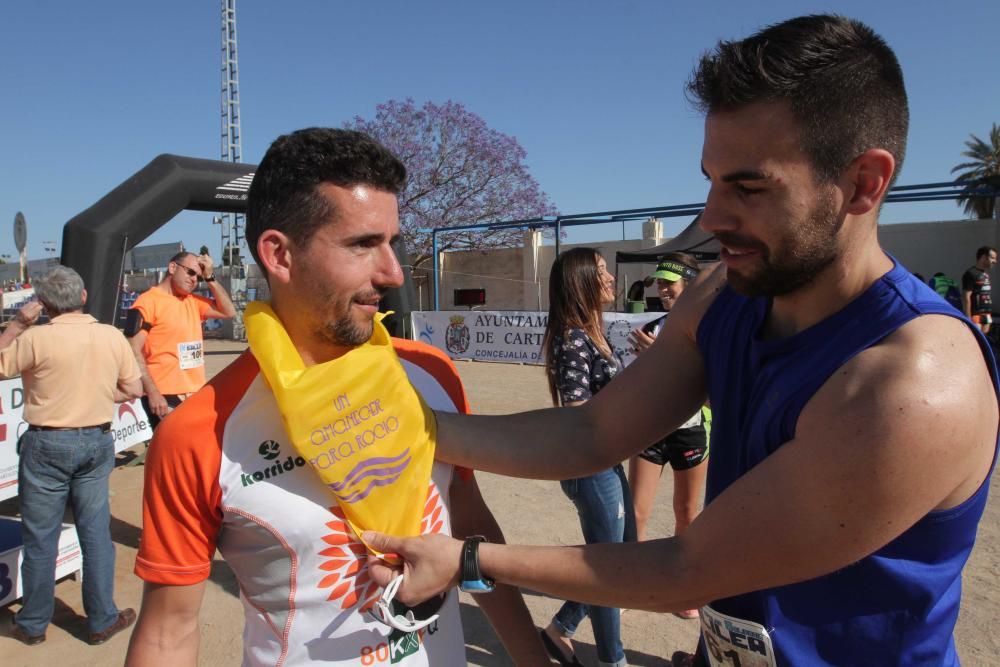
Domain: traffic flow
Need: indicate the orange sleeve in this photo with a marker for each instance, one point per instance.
(182, 501)
(204, 305)
(145, 304)
(438, 364)
(181, 508)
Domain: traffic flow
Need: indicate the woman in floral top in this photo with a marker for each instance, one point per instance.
(580, 363)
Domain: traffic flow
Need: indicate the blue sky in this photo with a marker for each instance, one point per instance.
(593, 90)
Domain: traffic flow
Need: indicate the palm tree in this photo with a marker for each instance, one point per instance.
(983, 170)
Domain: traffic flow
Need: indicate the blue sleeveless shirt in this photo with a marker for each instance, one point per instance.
(898, 605)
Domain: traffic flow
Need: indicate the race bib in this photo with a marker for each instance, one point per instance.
(732, 642)
(356, 419)
(190, 355)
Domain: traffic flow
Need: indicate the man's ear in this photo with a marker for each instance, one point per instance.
(83, 297)
(275, 251)
(867, 180)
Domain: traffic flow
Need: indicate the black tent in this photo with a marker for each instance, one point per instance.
(95, 241)
(692, 240)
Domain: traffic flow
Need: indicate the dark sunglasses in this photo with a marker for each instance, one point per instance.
(190, 272)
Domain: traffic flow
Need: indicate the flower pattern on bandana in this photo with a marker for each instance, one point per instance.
(580, 370)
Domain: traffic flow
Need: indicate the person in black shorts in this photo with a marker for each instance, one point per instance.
(977, 295)
(686, 449)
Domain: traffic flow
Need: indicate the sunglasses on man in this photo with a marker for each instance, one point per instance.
(191, 272)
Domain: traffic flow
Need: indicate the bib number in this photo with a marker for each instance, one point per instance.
(190, 355)
(733, 642)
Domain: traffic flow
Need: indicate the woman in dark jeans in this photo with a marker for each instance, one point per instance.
(580, 363)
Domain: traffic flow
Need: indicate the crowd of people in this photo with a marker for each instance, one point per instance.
(796, 385)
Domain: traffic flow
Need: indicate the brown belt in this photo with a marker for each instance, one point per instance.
(105, 427)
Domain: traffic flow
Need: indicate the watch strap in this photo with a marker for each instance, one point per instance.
(473, 580)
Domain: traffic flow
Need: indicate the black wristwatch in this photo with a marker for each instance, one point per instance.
(210, 279)
(473, 580)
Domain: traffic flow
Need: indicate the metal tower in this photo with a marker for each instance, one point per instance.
(232, 145)
(232, 148)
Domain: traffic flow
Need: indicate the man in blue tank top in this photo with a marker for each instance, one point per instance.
(832, 533)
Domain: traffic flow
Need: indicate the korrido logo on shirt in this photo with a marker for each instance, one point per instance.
(271, 450)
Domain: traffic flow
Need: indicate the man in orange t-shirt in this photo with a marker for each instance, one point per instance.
(164, 329)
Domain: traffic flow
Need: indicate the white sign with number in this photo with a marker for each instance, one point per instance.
(129, 427)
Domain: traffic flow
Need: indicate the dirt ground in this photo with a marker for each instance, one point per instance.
(649, 638)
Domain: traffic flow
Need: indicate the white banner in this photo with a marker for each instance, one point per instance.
(17, 298)
(129, 427)
(509, 336)
(69, 558)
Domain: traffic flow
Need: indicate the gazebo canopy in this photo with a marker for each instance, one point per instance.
(692, 240)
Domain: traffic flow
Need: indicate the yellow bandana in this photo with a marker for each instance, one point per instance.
(356, 419)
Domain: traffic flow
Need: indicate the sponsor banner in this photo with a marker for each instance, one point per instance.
(129, 427)
(68, 557)
(509, 336)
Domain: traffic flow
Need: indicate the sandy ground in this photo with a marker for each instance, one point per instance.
(649, 638)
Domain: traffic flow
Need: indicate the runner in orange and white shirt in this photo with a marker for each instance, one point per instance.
(229, 479)
(164, 330)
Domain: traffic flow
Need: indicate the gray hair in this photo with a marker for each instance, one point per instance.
(60, 290)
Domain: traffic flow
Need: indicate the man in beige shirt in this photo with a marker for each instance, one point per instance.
(73, 369)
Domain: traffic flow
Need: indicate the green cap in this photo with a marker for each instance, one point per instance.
(674, 271)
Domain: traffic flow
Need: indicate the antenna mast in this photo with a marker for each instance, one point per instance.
(232, 145)
(232, 148)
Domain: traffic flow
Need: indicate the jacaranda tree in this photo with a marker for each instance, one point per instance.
(460, 172)
(982, 170)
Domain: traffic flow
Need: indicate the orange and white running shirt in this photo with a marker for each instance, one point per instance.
(220, 473)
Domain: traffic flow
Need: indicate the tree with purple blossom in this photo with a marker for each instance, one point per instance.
(459, 172)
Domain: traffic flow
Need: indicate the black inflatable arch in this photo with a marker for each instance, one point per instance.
(95, 241)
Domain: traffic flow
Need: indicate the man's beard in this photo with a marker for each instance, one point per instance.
(343, 329)
(345, 332)
(796, 261)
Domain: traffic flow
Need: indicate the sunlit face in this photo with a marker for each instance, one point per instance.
(607, 281)
(668, 291)
(346, 267)
(184, 274)
(777, 226)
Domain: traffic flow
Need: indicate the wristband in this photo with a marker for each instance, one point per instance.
(473, 580)
(210, 279)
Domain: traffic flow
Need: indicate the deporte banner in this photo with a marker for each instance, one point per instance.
(509, 336)
(129, 427)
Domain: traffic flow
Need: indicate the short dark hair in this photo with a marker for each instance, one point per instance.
(984, 250)
(843, 83)
(283, 192)
(176, 259)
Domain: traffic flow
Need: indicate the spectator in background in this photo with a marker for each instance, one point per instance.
(579, 363)
(686, 449)
(74, 369)
(977, 295)
(947, 289)
(164, 329)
